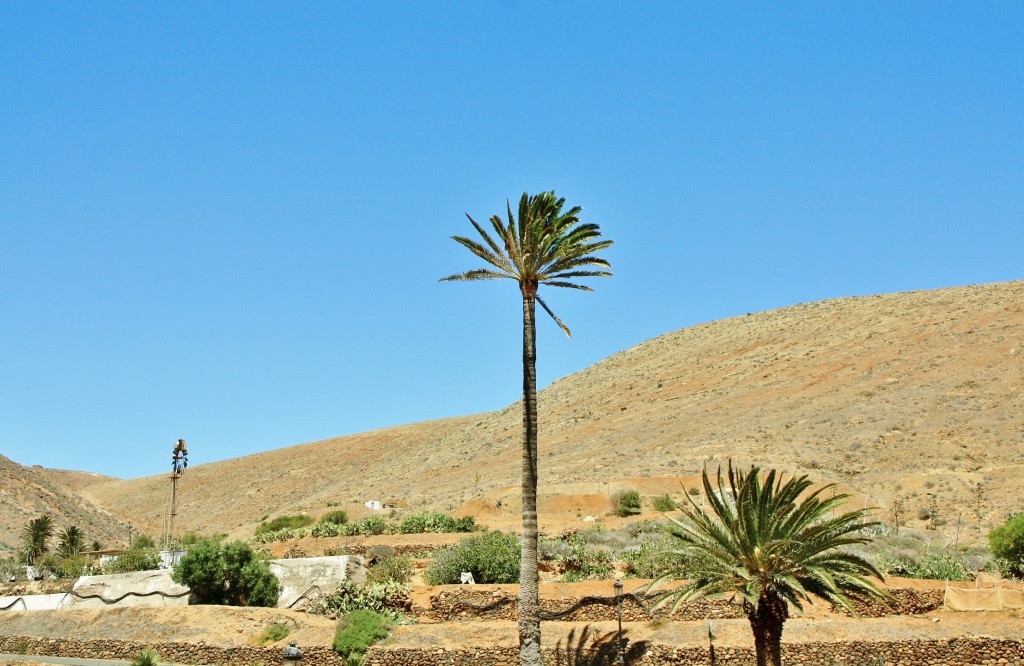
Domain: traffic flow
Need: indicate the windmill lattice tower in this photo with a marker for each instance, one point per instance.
(179, 461)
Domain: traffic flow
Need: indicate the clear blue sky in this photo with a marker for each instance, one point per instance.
(226, 221)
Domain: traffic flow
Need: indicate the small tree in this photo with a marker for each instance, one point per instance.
(338, 517)
(357, 631)
(136, 559)
(35, 537)
(71, 542)
(627, 503)
(492, 558)
(772, 543)
(142, 542)
(229, 575)
(1007, 543)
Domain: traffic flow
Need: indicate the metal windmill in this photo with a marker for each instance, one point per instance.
(179, 461)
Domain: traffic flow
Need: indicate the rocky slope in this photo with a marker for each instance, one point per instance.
(29, 492)
(912, 397)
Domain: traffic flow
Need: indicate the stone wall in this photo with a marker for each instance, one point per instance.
(473, 603)
(953, 652)
(905, 601)
(399, 548)
(180, 653)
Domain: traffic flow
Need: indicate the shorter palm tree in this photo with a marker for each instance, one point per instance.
(35, 537)
(770, 543)
(72, 542)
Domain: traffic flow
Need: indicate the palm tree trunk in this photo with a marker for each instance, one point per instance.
(766, 623)
(529, 593)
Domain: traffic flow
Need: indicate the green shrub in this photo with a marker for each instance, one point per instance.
(284, 523)
(334, 518)
(133, 560)
(394, 569)
(436, 522)
(378, 552)
(143, 542)
(295, 533)
(1007, 543)
(943, 565)
(146, 657)
(627, 503)
(586, 562)
(414, 524)
(611, 540)
(384, 598)
(664, 503)
(552, 550)
(230, 575)
(66, 568)
(323, 530)
(368, 526)
(652, 560)
(275, 631)
(11, 569)
(492, 558)
(357, 631)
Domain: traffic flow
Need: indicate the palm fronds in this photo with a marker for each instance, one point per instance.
(765, 535)
(539, 244)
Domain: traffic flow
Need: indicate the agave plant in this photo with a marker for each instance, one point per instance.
(146, 657)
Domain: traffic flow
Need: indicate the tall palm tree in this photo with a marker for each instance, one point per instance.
(551, 247)
(35, 537)
(771, 543)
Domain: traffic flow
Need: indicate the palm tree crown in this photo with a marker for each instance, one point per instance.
(546, 246)
(771, 541)
(72, 542)
(35, 537)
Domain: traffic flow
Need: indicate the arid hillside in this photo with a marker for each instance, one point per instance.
(913, 397)
(29, 492)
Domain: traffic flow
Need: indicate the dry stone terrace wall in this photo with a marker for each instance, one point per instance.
(904, 602)
(954, 652)
(179, 653)
(473, 603)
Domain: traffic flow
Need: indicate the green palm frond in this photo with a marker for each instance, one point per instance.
(763, 534)
(539, 243)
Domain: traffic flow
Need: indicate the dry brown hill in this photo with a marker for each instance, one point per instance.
(913, 396)
(29, 492)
